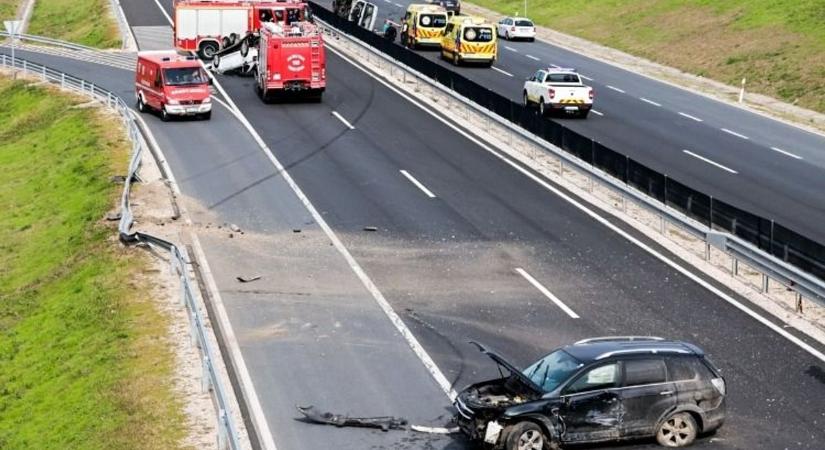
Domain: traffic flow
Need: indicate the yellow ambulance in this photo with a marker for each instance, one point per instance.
(469, 39)
(423, 25)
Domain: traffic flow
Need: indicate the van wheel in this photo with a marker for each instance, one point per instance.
(525, 436)
(678, 430)
(141, 107)
(208, 49)
(456, 59)
(164, 116)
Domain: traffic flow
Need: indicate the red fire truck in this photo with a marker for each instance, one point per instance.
(207, 26)
(291, 59)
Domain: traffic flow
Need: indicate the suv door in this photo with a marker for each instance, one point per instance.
(590, 405)
(646, 395)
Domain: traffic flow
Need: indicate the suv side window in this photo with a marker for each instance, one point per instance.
(639, 372)
(688, 369)
(601, 377)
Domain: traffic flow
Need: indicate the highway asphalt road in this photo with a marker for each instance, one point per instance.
(447, 264)
(779, 169)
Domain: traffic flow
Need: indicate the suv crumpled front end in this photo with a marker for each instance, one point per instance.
(484, 410)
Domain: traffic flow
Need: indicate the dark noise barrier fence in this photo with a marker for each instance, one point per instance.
(767, 234)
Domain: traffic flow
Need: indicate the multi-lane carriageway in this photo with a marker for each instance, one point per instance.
(467, 247)
(761, 165)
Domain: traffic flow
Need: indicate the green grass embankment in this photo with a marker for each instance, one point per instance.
(8, 10)
(84, 356)
(778, 45)
(86, 22)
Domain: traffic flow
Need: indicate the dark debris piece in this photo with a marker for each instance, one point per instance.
(384, 423)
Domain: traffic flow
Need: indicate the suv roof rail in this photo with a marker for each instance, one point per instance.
(619, 338)
(651, 350)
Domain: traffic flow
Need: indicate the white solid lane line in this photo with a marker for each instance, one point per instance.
(690, 117)
(344, 121)
(733, 133)
(598, 113)
(615, 89)
(499, 70)
(532, 57)
(547, 293)
(649, 101)
(399, 5)
(417, 183)
(714, 163)
(586, 78)
(511, 49)
(786, 153)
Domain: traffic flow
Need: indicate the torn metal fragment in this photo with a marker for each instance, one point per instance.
(248, 279)
(384, 423)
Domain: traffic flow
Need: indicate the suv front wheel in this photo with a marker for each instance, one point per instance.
(678, 430)
(526, 436)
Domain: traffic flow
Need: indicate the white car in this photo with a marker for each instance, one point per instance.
(558, 90)
(516, 28)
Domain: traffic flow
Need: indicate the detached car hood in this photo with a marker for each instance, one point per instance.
(514, 371)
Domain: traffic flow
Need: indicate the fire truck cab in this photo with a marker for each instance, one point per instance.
(172, 84)
(291, 60)
(208, 26)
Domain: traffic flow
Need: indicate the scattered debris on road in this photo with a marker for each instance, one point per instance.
(248, 279)
(385, 423)
(370, 228)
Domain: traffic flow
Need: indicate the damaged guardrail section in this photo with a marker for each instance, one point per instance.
(774, 251)
(227, 430)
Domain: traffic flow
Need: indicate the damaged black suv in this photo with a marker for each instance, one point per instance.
(596, 390)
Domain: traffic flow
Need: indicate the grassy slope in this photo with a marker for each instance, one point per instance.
(779, 45)
(83, 361)
(8, 10)
(87, 22)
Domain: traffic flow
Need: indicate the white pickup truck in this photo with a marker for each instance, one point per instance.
(558, 90)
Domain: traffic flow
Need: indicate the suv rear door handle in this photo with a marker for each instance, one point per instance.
(666, 393)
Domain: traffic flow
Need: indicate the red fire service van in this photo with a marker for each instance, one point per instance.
(172, 84)
(208, 26)
(291, 59)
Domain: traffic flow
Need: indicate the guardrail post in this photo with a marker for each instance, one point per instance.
(765, 283)
(222, 441)
(62, 80)
(44, 74)
(206, 380)
(25, 67)
(662, 224)
(82, 85)
(707, 251)
(734, 266)
(799, 303)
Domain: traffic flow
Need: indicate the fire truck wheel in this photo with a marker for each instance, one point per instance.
(164, 116)
(208, 49)
(140, 105)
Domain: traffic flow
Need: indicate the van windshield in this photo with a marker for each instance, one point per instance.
(478, 34)
(184, 76)
(432, 20)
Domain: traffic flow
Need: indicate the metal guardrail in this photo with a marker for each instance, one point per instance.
(227, 431)
(49, 41)
(770, 267)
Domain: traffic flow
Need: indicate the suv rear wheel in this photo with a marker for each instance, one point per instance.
(525, 436)
(678, 430)
(208, 49)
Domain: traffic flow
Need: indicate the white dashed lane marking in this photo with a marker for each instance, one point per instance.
(649, 101)
(501, 71)
(615, 89)
(690, 117)
(713, 163)
(786, 153)
(733, 133)
(532, 57)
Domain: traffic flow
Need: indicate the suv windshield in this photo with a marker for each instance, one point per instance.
(185, 76)
(550, 371)
(432, 20)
